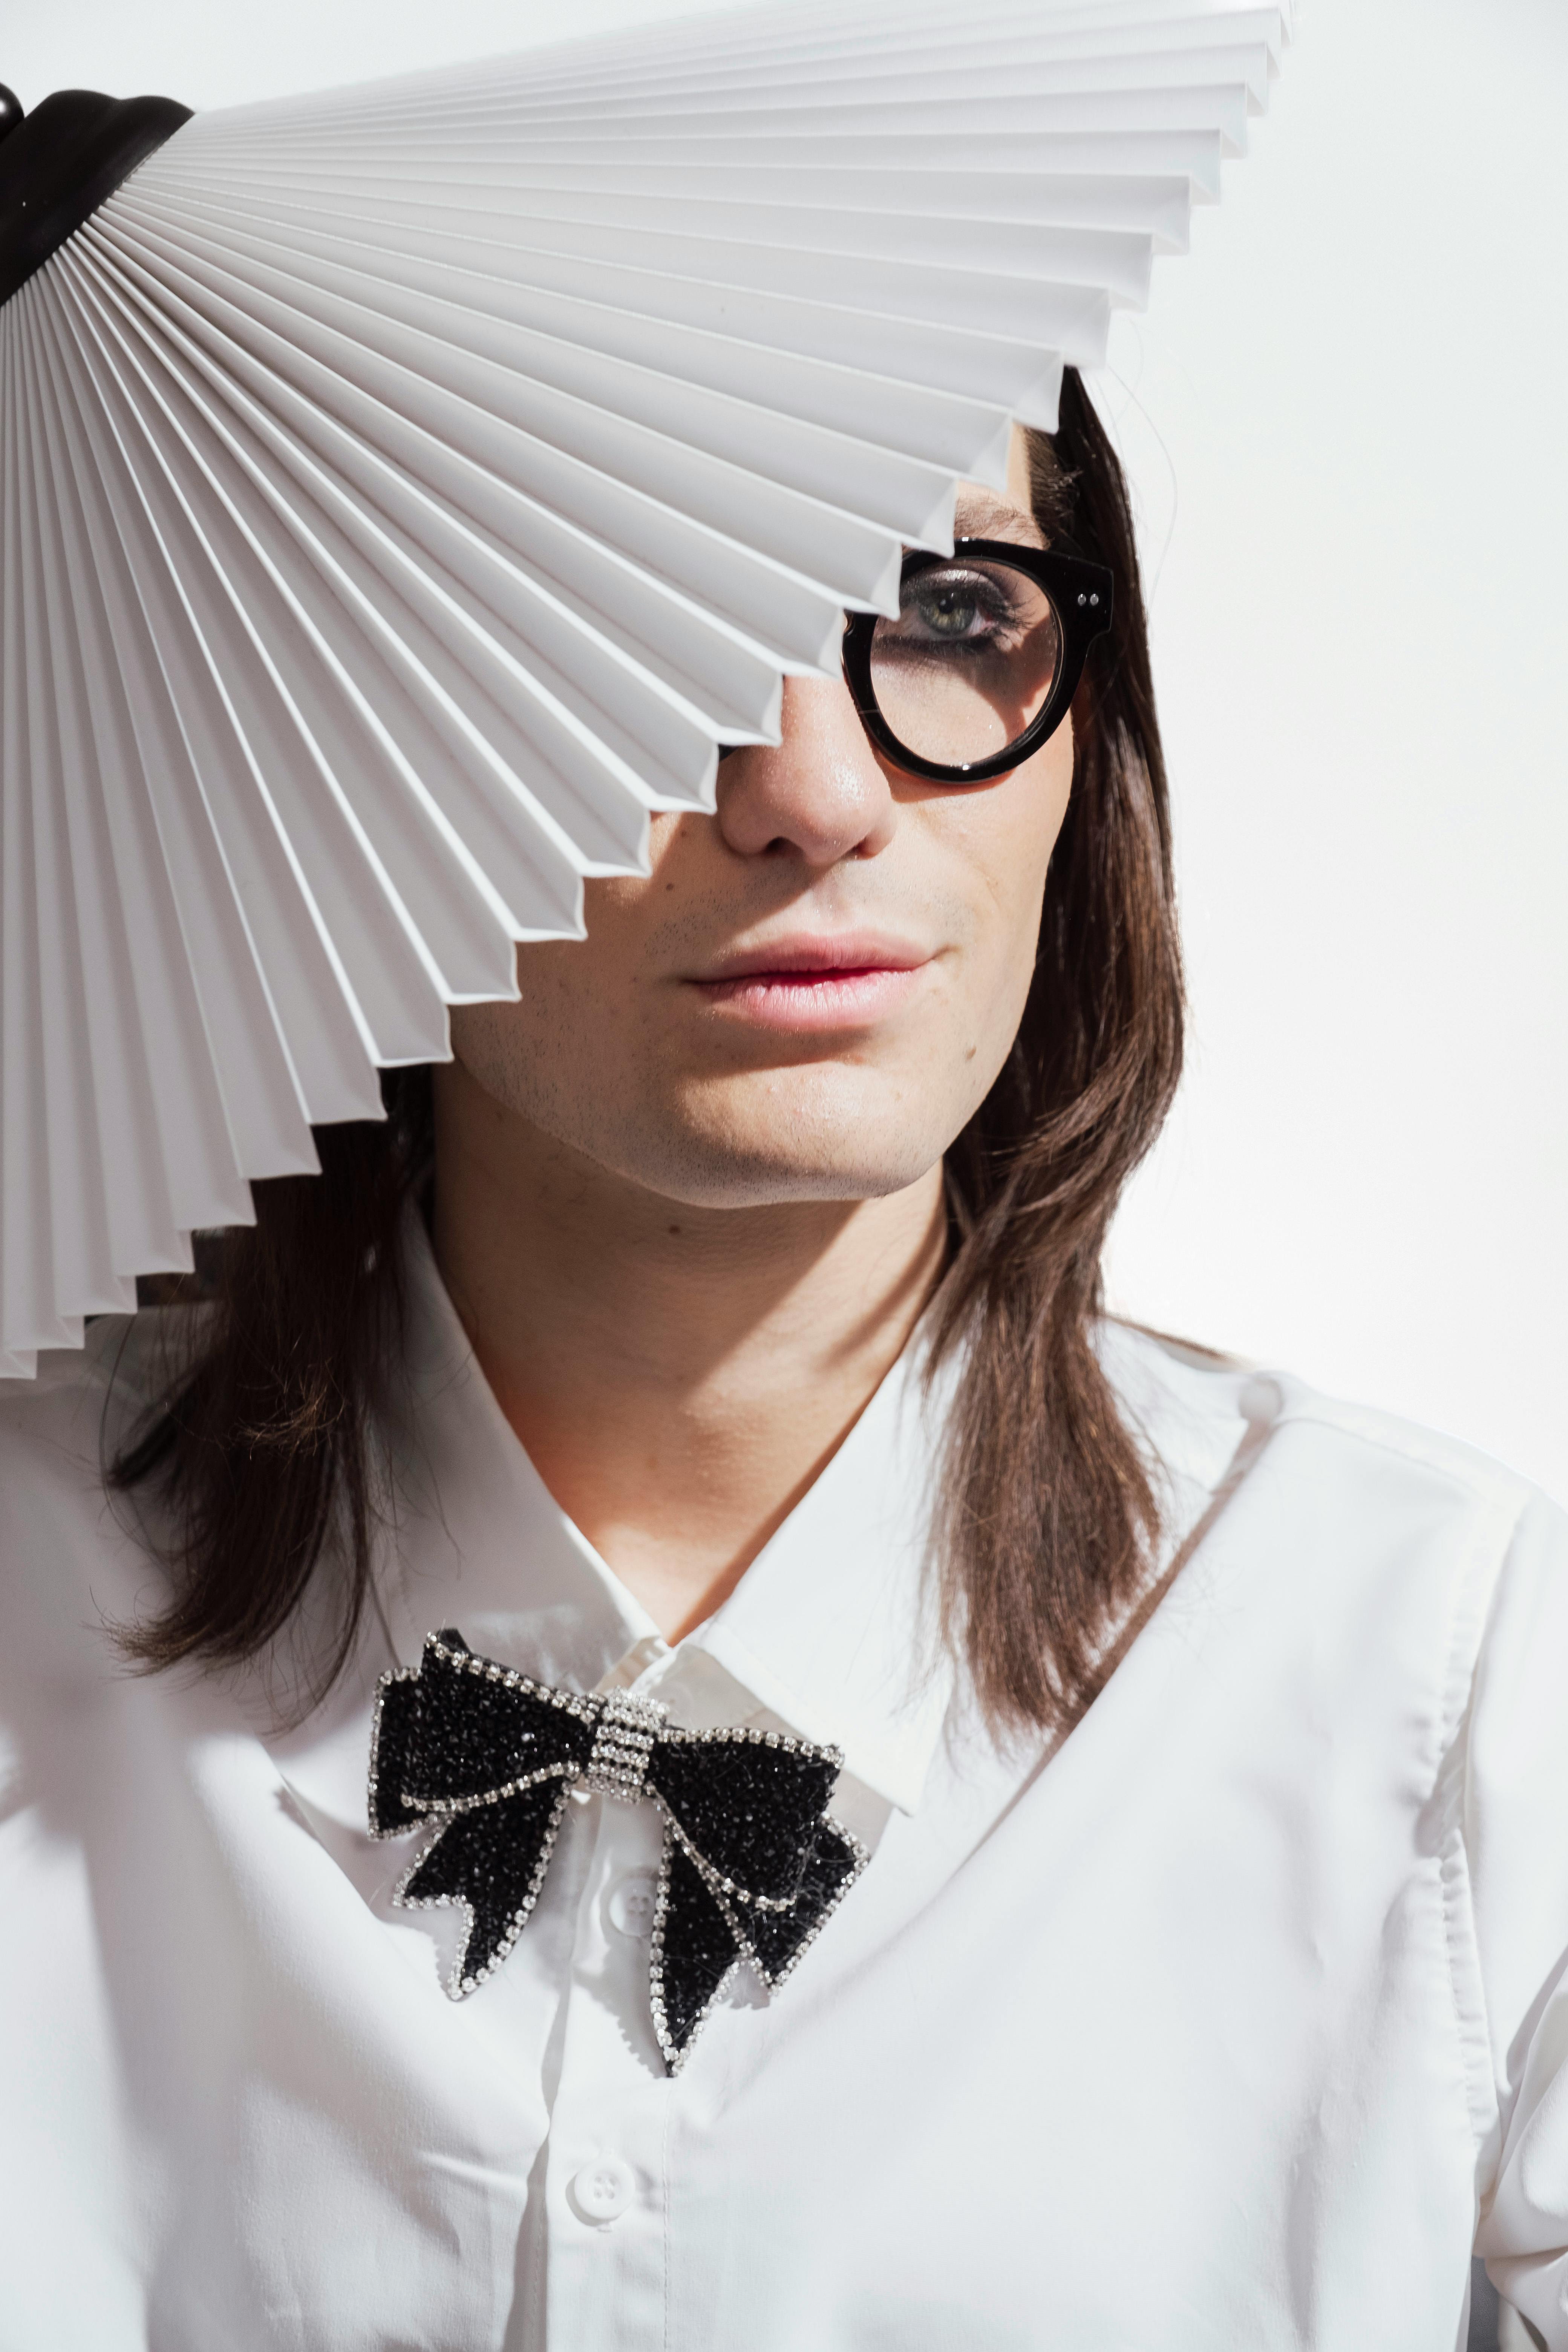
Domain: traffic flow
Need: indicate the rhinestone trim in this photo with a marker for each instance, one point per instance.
(623, 1744)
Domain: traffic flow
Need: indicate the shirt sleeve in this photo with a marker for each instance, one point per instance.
(1516, 1839)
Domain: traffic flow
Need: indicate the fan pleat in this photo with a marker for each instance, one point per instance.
(463, 312)
(1018, 376)
(271, 658)
(406, 490)
(549, 443)
(486, 462)
(1216, 107)
(28, 1282)
(572, 590)
(1068, 316)
(698, 230)
(212, 676)
(155, 1077)
(171, 711)
(384, 655)
(1155, 204)
(77, 1150)
(263, 1128)
(1022, 32)
(1039, 161)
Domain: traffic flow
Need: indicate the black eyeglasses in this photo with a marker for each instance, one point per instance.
(983, 661)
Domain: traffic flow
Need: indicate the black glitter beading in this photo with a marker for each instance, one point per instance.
(753, 1865)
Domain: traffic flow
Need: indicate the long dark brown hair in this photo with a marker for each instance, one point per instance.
(262, 1454)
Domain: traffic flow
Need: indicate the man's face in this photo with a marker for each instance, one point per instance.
(814, 989)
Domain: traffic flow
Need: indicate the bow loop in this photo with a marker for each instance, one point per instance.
(396, 1729)
(461, 1732)
(753, 1863)
(747, 1810)
(481, 1731)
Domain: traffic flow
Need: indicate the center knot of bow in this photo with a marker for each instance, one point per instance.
(752, 1861)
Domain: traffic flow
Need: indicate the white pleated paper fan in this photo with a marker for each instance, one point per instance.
(404, 490)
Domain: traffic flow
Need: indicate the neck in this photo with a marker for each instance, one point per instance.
(677, 1375)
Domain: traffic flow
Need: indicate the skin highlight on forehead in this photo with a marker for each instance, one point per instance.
(982, 514)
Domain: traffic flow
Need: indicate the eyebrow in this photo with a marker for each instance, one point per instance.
(980, 514)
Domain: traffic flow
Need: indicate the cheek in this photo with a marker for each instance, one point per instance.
(1007, 834)
(577, 1038)
(556, 1036)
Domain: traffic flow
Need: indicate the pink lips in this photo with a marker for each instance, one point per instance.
(849, 981)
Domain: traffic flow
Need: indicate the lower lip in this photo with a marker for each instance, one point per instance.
(812, 1000)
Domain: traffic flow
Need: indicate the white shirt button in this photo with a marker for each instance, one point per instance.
(1259, 1399)
(603, 2189)
(632, 1900)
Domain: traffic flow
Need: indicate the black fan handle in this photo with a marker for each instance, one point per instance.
(59, 162)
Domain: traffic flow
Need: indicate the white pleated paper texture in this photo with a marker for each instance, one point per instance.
(404, 490)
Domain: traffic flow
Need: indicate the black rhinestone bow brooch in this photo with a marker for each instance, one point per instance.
(752, 1861)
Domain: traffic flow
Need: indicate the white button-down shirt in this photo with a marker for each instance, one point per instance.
(1225, 2025)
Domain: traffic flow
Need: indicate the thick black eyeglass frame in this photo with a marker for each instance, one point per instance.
(1081, 595)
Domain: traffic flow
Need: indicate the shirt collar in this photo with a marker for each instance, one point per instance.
(826, 1631)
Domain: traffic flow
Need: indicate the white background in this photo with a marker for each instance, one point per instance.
(1346, 415)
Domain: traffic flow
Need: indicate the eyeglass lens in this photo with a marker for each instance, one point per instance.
(970, 662)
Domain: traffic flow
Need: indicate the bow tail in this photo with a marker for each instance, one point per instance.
(490, 1863)
(699, 1939)
(776, 1939)
(695, 1952)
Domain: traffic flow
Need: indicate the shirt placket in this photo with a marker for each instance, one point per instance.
(606, 2188)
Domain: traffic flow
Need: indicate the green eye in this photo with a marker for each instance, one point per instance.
(947, 612)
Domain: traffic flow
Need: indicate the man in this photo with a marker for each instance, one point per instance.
(713, 1347)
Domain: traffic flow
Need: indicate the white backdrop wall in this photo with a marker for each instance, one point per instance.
(1345, 419)
(1359, 525)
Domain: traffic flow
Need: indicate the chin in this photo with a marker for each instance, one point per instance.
(762, 1183)
(749, 1155)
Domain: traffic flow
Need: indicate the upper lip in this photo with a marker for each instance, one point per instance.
(820, 951)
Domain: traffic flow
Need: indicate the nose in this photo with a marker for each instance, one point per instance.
(821, 796)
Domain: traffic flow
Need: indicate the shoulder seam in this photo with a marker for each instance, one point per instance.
(1469, 1468)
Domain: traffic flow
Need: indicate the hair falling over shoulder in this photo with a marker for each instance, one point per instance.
(262, 1452)
(1048, 1516)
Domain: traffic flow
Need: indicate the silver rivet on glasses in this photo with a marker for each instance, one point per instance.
(1095, 598)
